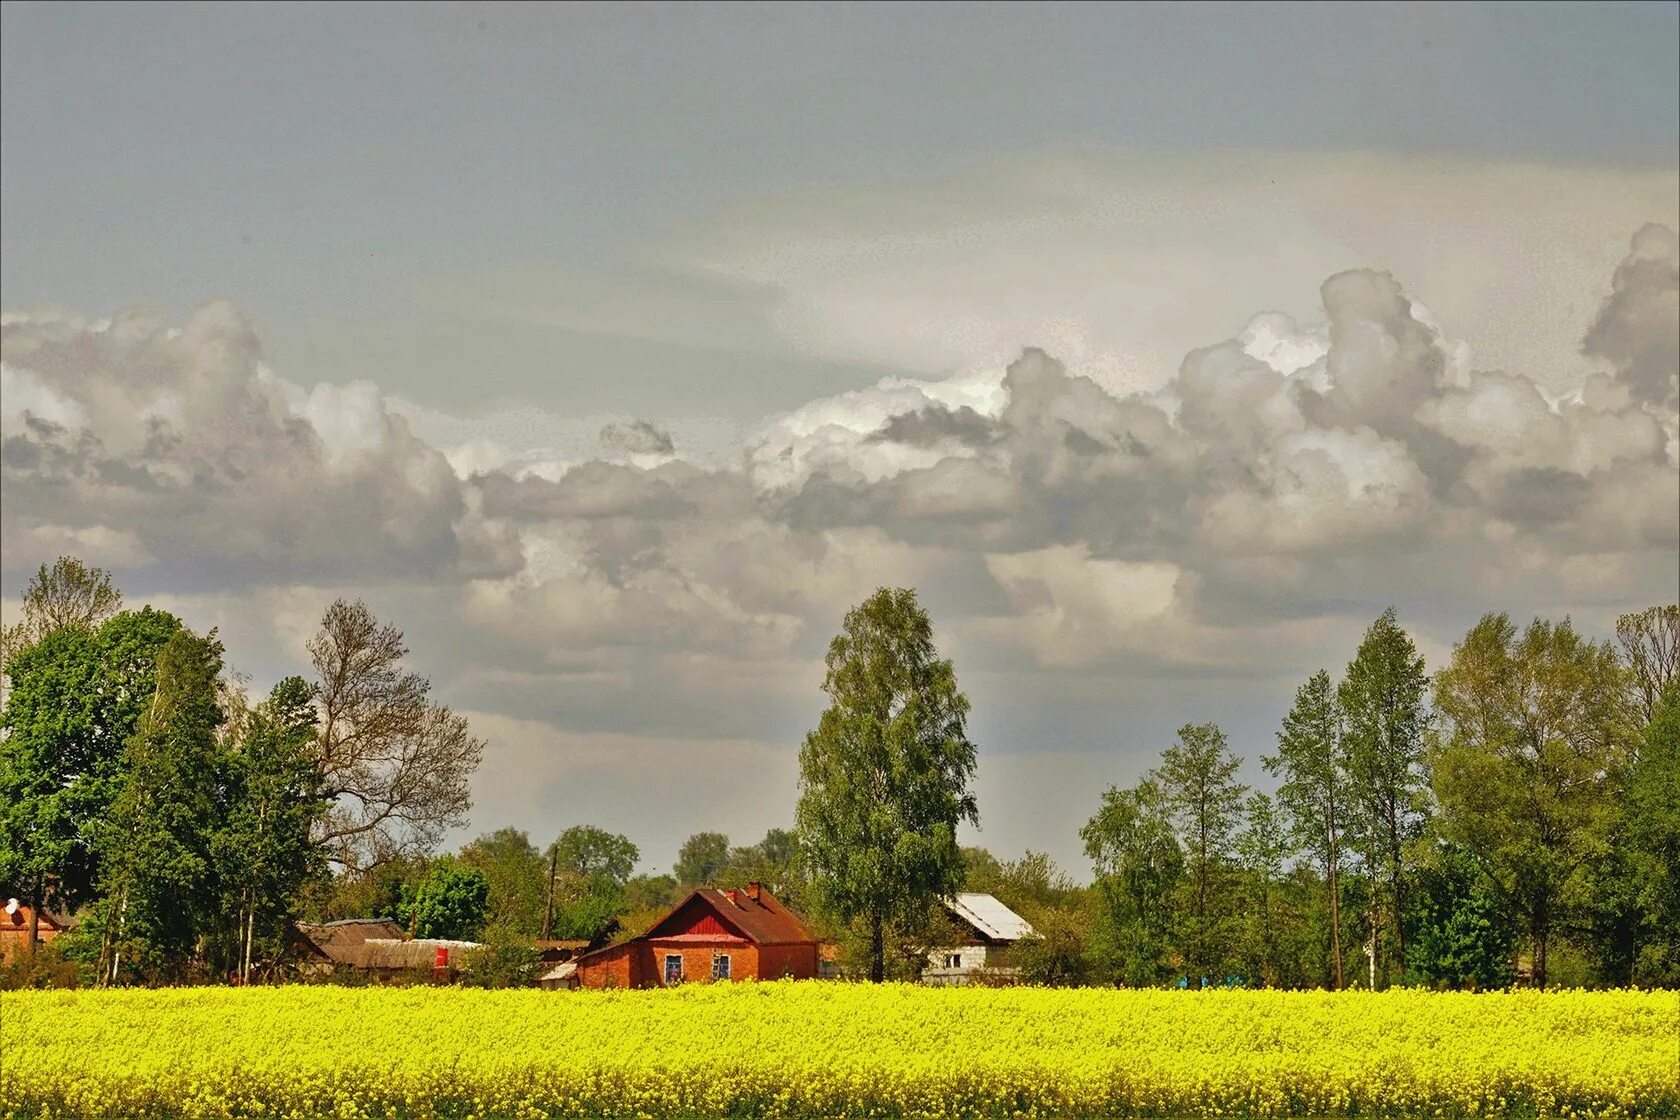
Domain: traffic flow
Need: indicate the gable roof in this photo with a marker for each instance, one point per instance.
(763, 920)
(989, 918)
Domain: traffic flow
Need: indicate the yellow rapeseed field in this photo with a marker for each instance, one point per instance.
(831, 1049)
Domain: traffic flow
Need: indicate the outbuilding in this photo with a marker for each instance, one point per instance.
(987, 930)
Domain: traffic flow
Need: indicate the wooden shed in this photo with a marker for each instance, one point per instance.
(712, 935)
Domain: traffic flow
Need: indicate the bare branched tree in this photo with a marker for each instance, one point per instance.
(396, 766)
(1650, 641)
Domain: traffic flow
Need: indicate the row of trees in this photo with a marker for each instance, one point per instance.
(184, 824)
(1535, 800)
(1517, 808)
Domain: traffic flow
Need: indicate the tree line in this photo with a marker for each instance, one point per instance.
(1513, 816)
(184, 824)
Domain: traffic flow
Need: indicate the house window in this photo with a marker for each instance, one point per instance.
(953, 960)
(673, 968)
(720, 966)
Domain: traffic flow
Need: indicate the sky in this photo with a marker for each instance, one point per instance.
(613, 352)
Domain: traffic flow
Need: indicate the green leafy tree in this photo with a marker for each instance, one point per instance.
(270, 801)
(1383, 722)
(517, 875)
(1464, 937)
(157, 875)
(596, 853)
(885, 778)
(1314, 791)
(1653, 834)
(1197, 775)
(1138, 864)
(1263, 846)
(77, 697)
(450, 901)
(702, 858)
(1534, 738)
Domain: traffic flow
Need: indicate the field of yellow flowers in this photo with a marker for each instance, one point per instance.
(835, 1050)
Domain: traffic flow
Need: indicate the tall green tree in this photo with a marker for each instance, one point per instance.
(596, 853)
(269, 802)
(702, 859)
(1198, 776)
(1534, 739)
(1383, 722)
(1314, 791)
(76, 698)
(157, 875)
(1263, 846)
(589, 868)
(1653, 835)
(1135, 854)
(517, 874)
(885, 779)
(1464, 937)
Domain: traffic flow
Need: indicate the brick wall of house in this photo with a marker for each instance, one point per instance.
(697, 961)
(14, 933)
(797, 961)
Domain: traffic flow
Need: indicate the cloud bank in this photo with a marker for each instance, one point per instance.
(1237, 522)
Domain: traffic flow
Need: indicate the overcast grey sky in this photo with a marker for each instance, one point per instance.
(443, 247)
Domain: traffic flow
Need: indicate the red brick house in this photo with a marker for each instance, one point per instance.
(738, 934)
(14, 928)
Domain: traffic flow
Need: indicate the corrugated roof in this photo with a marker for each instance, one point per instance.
(989, 917)
(419, 953)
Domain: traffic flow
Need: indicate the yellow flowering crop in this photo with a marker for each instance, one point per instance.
(828, 1049)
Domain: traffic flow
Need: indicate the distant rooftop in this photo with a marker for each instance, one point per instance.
(989, 917)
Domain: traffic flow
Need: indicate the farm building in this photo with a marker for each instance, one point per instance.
(14, 928)
(376, 945)
(988, 928)
(737, 934)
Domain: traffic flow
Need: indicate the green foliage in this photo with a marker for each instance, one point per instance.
(1262, 848)
(596, 853)
(1314, 793)
(517, 874)
(1198, 782)
(76, 698)
(1653, 833)
(1526, 772)
(1463, 938)
(158, 871)
(450, 901)
(505, 960)
(702, 858)
(269, 801)
(1381, 699)
(1138, 864)
(885, 778)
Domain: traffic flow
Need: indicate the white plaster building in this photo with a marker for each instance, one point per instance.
(990, 928)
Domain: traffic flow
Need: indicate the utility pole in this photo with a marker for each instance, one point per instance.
(548, 902)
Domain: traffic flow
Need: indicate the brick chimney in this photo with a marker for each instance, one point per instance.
(754, 889)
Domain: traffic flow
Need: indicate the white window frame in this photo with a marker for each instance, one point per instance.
(953, 960)
(720, 966)
(669, 957)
